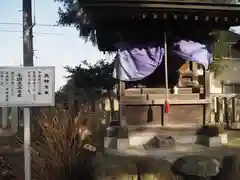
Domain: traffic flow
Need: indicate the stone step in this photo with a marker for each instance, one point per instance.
(180, 130)
(146, 97)
(139, 97)
(186, 74)
(185, 79)
(137, 91)
(173, 96)
(143, 138)
(182, 135)
(187, 84)
(163, 90)
(133, 91)
(137, 137)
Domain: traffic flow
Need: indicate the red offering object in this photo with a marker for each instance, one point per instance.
(167, 106)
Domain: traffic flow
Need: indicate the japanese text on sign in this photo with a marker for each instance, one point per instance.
(27, 86)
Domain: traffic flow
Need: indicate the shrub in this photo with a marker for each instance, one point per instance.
(211, 130)
(5, 171)
(59, 147)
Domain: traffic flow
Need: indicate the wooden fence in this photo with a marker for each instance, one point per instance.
(226, 110)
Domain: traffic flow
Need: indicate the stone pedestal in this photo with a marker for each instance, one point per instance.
(122, 143)
(224, 138)
(116, 138)
(110, 142)
(215, 141)
(209, 141)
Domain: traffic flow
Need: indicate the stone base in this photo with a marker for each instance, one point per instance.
(224, 138)
(110, 142)
(182, 135)
(116, 138)
(160, 142)
(116, 143)
(122, 143)
(216, 141)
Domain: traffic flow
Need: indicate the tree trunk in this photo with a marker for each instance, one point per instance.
(93, 106)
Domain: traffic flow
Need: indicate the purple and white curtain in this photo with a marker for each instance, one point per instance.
(139, 62)
(193, 51)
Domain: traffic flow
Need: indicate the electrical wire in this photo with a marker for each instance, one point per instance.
(43, 25)
(39, 33)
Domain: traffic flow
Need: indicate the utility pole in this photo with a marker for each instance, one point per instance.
(27, 61)
(27, 33)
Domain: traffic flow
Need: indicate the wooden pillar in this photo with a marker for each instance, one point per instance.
(120, 93)
(234, 112)
(225, 104)
(207, 107)
(195, 76)
(121, 105)
(207, 84)
(221, 110)
(217, 115)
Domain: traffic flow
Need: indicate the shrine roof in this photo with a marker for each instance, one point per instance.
(196, 4)
(126, 17)
(101, 10)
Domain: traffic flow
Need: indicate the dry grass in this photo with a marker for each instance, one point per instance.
(59, 153)
(59, 146)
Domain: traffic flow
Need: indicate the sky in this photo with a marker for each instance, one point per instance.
(53, 46)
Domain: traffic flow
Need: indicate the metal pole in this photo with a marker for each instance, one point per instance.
(27, 61)
(27, 144)
(166, 63)
(166, 103)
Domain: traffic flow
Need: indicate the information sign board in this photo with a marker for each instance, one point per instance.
(27, 86)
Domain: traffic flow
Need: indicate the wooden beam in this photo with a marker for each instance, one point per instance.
(162, 4)
(162, 101)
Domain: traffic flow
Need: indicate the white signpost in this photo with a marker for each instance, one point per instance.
(27, 87)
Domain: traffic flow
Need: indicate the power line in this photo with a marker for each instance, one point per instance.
(39, 33)
(43, 25)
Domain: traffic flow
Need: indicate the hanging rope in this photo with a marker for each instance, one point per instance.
(166, 104)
